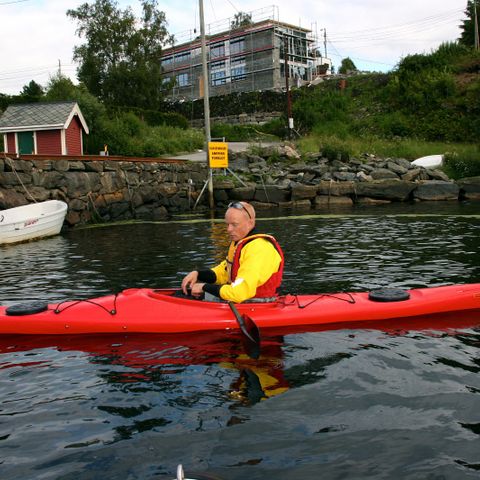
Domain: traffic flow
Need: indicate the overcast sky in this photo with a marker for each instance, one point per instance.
(37, 38)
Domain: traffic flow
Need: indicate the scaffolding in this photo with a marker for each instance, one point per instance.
(244, 57)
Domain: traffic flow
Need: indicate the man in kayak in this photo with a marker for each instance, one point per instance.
(253, 268)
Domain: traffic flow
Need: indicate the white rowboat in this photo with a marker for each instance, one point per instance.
(430, 161)
(32, 221)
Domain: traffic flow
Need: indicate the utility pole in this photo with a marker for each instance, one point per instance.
(325, 41)
(476, 24)
(287, 87)
(206, 103)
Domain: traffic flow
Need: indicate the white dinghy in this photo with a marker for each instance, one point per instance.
(430, 161)
(29, 222)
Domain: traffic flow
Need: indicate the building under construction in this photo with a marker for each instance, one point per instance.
(249, 53)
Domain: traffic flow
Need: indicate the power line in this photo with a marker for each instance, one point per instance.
(449, 14)
(401, 31)
(397, 31)
(30, 69)
(13, 1)
(234, 7)
(35, 72)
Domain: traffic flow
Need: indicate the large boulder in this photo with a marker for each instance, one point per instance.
(271, 194)
(223, 183)
(17, 165)
(396, 168)
(242, 193)
(414, 174)
(93, 166)
(326, 201)
(167, 190)
(75, 183)
(397, 190)
(336, 189)
(301, 191)
(438, 175)
(382, 173)
(8, 179)
(436, 190)
(10, 199)
(469, 188)
(220, 196)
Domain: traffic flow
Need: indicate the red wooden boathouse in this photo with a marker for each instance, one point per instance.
(54, 128)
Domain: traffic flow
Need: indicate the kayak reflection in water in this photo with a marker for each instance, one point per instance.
(252, 270)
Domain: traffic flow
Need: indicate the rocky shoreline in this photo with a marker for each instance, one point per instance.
(112, 190)
(323, 182)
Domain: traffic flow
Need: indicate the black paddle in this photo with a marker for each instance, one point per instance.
(250, 331)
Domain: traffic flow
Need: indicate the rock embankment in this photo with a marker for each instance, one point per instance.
(102, 190)
(108, 190)
(319, 181)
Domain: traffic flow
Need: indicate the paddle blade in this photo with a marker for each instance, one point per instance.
(250, 331)
(253, 332)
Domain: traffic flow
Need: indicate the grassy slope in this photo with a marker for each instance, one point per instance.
(429, 105)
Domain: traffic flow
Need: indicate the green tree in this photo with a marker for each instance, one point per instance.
(241, 19)
(120, 60)
(468, 25)
(61, 88)
(347, 66)
(33, 92)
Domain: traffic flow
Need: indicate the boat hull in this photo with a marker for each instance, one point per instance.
(146, 310)
(31, 222)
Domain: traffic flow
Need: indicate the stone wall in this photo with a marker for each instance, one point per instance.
(108, 190)
(258, 118)
(102, 190)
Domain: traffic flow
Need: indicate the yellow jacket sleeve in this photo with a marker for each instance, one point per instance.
(259, 260)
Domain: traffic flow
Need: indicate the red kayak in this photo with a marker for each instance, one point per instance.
(144, 310)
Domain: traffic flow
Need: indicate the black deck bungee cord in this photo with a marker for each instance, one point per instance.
(349, 300)
(76, 302)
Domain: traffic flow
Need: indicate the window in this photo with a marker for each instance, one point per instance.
(182, 57)
(237, 46)
(218, 73)
(238, 70)
(195, 52)
(182, 80)
(218, 78)
(217, 50)
(167, 61)
(239, 73)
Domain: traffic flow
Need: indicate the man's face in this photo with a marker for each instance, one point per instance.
(238, 223)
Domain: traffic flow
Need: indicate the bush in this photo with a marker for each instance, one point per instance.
(126, 134)
(276, 128)
(244, 133)
(317, 107)
(462, 165)
(335, 150)
(232, 133)
(171, 119)
(395, 124)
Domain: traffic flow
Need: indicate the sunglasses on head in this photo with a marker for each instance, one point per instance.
(239, 206)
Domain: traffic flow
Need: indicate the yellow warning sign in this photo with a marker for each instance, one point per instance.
(218, 154)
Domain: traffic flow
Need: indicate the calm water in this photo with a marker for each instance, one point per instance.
(398, 404)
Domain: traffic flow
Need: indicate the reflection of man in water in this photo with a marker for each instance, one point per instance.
(259, 379)
(253, 268)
